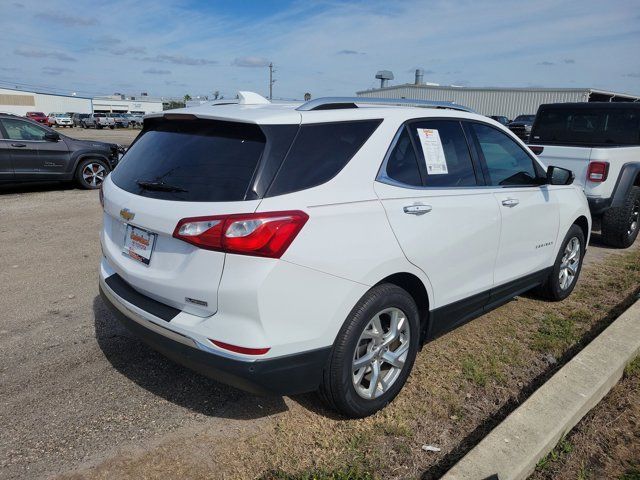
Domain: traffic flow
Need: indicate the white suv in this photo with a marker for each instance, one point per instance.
(286, 248)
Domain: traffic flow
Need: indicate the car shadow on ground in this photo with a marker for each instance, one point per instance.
(596, 241)
(175, 383)
(11, 188)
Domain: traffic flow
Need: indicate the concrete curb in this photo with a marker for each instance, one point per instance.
(512, 449)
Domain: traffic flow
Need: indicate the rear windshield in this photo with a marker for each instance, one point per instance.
(192, 160)
(586, 126)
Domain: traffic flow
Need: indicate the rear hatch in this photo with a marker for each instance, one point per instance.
(178, 169)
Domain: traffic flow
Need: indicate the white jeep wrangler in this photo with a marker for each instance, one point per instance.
(600, 143)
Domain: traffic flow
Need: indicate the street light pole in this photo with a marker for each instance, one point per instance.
(270, 80)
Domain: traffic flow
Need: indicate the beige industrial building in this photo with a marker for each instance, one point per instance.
(19, 102)
(509, 102)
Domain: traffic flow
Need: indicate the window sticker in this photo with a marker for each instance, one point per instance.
(432, 151)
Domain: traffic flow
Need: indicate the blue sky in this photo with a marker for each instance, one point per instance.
(173, 47)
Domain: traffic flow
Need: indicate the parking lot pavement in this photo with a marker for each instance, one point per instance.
(121, 136)
(74, 386)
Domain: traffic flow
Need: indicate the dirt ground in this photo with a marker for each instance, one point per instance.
(606, 443)
(121, 136)
(81, 398)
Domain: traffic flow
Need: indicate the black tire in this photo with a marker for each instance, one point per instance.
(337, 388)
(620, 225)
(94, 181)
(552, 288)
(83, 125)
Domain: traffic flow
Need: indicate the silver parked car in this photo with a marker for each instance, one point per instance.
(97, 120)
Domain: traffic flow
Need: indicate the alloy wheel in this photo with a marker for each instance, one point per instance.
(570, 263)
(381, 353)
(93, 174)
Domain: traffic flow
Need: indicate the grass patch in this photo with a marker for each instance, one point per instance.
(560, 451)
(633, 369)
(473, 371)
(631, 474)
(350, 473)
(554, 334)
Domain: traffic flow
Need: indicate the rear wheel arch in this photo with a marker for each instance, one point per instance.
(415, 287)
(89, 156)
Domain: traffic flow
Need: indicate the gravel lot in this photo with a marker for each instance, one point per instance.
(74, 386)
(122, 136)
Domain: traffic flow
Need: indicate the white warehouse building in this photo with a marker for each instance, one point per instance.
(19, 102)
(509, 102)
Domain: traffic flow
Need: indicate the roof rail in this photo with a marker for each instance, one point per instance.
(332, 103)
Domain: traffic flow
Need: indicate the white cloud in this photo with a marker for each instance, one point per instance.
(484, 43)
(67, 20)
(156, 71)
(179, 60)
(38, 53)
(250, 62)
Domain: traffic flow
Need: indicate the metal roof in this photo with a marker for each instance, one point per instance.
(43, 93)
(502, 89)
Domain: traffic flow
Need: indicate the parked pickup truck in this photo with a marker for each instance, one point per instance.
(600, 143)
(98, 120)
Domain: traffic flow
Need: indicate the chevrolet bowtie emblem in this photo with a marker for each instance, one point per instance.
(127, 214)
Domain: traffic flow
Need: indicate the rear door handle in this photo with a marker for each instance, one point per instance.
(19, 145)
(510, 202)
(417, 209)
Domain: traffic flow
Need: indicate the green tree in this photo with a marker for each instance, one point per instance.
(187, 97)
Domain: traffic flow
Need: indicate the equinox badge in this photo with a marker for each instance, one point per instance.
(127, 214)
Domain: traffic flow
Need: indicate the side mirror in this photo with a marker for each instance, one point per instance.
(559, 176)
(52, 136)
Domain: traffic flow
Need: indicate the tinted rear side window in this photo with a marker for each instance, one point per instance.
(206, 161)
(402, 165)
(319, 152)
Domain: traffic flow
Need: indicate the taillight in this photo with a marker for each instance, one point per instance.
(261, 234)
(536, 150)
(237, 349)
(598, 171)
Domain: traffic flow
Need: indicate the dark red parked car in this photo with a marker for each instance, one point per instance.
(39, 117)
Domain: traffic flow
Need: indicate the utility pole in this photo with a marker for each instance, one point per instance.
(271, 80)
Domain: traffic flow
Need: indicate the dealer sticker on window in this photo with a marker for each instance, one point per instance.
(432, 151)
(138, 244)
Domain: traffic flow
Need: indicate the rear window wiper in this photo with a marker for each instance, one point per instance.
(159, 186)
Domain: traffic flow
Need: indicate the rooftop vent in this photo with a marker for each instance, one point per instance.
(384, 76)
(419, 76)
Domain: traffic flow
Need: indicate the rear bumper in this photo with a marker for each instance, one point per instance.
(286, 375)
(599, 205)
